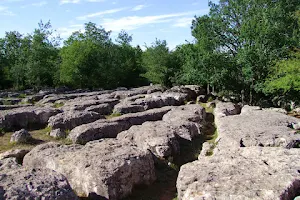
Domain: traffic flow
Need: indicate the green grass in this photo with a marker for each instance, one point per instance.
(6, 102)
(21, 96)
(58, 105)
(115, 114)
(207, 109)
(39, 137)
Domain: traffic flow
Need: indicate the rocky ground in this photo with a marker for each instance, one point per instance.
(131, 144)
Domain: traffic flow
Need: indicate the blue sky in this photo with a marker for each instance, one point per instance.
(144, 19)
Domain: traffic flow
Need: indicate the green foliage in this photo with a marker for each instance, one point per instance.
(114, 114)
(284, 77)
(58, 105)
(90, 59)
(158, 63)
(31, 60)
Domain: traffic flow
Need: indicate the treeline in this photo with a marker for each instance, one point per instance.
(248, 48)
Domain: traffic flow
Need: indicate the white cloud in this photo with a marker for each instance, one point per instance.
(10, 1)
(183, 22)
(95, 0)
(69, 1)
(39, 4)
(102, 13)
(65, 32)
(134, 22)
(78, 1)
(138, 7)
(5, 11)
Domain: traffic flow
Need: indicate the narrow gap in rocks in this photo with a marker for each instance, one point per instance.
(164, 188)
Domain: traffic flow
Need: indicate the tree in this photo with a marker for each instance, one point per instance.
(284, 79)
(43, 60)
(253, 34)
(157, 63)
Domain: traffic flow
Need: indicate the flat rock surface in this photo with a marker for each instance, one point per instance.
(255, 157)
(107, 168)
(25, 117)
(110, 128)
(254, 173)
(22, 183)
(158, 137)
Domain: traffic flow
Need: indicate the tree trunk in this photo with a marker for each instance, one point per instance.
(208, 89)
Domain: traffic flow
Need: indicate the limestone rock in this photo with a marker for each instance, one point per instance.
(158, 137)
(58, 133)
(188, 120)
(125, 108)
(104, 169)
(226, 109)
(137, 91)
(102, 109)
(251, 173)
(21, 136)
(26, 117)
(71, 119)
(110, 128)
(255, 157)
(15, 153)
(21, 183)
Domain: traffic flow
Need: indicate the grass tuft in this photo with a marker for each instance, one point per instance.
(114, 114)
(58, 105)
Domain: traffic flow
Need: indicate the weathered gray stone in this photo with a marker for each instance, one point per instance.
(125, 108)
(83, 103)
(21, 136)
(190, 93)
(206, 150)
(110, 128)
(15, 153)
(196, 88)
(280, 110)
(58, 133)
(137, 91)
(250, 173)
(254, 157)
(71, 119)
(158, 137)
(33, 98)
(20, 183)
(108, 169)
(9, 107)
(26, 117)
(188, 120)
(102, 109)
(226, 108)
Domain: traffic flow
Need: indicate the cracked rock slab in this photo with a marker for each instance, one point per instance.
(107, 169)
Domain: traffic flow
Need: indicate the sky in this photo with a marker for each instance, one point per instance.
(145, 20)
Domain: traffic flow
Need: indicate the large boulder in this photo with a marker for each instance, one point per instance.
(102, 109)
(26, 117)
(254, 173)
(14, 153)
(254, 157)
(226, 109)
(126, 107)
(188, 120)
(22, 136)
(21, 183)
(70, 119)
(158, 137)
(104, 169)
(110, 128)
(137, 91)
(256, 128)
(82, 103)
